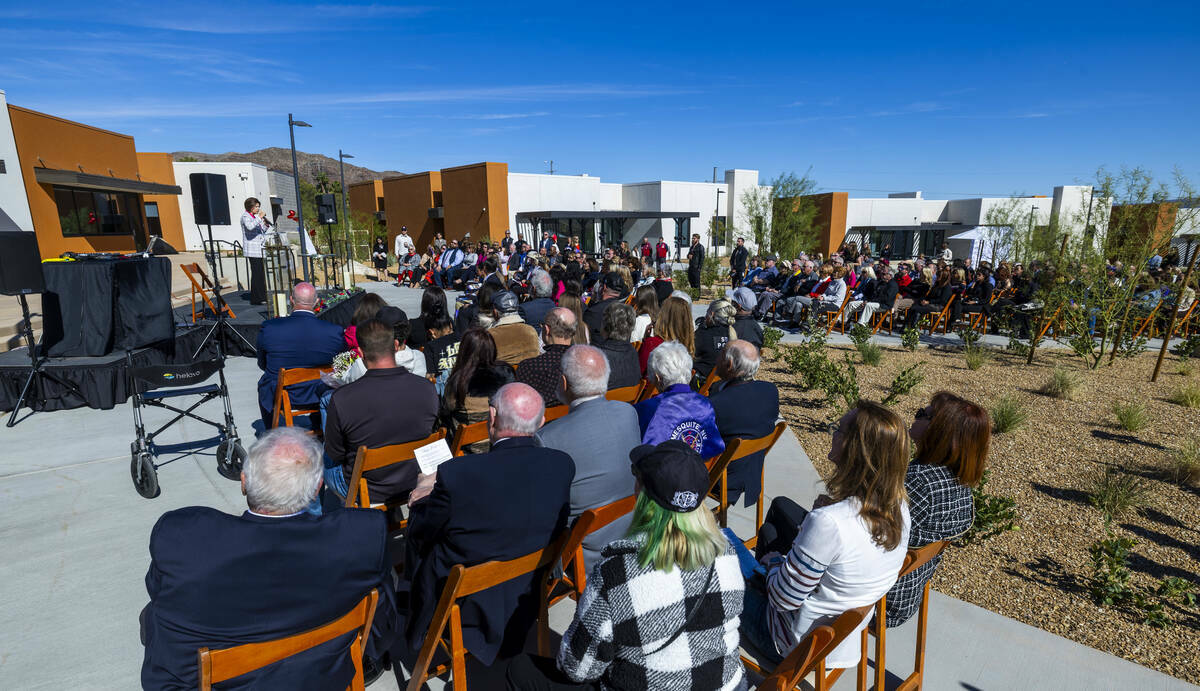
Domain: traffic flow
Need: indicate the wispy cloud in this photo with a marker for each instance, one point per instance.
(510, 93)
(912, 109)
(500, 116)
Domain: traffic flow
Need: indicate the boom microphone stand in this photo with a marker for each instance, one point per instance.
(221, 325)
(37, 373)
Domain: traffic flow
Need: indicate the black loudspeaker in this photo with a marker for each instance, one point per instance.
(210, 199)
(158, 246)
(327, 209)
(20, 263)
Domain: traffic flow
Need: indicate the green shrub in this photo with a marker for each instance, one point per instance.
(1008, 413)
(1176, 588)
(859, 335)
(680, 281)
(1187, 346)
(1131, 416)
(1017, 346)
(1116, 491)
(1110, 570)
(1062, 384)
(1185, 369)
(969, 336)
(871, 353)
(771, 337)
(911, 338)
(993, 514)
(904, 382)
(1185, 462)
(978, 357)
(1187, 396)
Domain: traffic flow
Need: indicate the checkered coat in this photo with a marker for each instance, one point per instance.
(628, 612)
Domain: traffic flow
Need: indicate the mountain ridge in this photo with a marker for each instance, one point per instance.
(278, 158)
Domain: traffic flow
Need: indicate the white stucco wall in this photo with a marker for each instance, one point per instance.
(13, 198)
(242, 180)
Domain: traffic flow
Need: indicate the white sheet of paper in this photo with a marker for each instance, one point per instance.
(430, 456)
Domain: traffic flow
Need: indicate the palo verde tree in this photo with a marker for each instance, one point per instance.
(783, 215)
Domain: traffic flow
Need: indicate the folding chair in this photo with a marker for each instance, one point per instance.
(464, 581)
(466, 435)
(915, 559)
(573, 579)
(179, 381)
(943, 317)
(648, 391)
(1184, 323)
(831, 317)
(217, 666)
(628, 394)
(203, 287)
(637, 346)
(980, 318)
(373, 459)
(880, 316)
(809, 656)
(283, 400)
(1049, 323)
(718, 474)
(709, 381)
(1147, 321)
(554, 412)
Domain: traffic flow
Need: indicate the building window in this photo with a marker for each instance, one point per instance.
(92, 212)
(152, 222)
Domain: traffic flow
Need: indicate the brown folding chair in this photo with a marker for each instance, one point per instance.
(637, 346)
(468, 580)
(831, 317)
(881, 315)
(1184, 323)
(809, 656)
(709, 381)
(283, 401)
(1049, 322)
(203, 288)
(627, 394)
(1147, 321)
(373, 459)
(718, 474)
(466, 435)
(915, 559)
(943, 317)
(573, 579)
(217, 666)
(648, 391)
(554, 412)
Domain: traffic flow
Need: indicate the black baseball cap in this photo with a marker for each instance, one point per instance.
(391, 315)
(505, 301)
(614, 282)
(672, 474)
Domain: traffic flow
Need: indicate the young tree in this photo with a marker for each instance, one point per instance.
(793, 215)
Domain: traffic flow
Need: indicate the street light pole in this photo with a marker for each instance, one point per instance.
(716, 212)
(292, 124)
(345, 214)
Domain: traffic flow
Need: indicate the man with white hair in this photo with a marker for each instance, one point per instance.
(534, 310)
(677, 412)
(598, 435)
(504, 504)
(543, 372)
(745, 409)
(217, 580)
(297, 340)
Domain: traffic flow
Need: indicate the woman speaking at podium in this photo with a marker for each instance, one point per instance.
(255, 227)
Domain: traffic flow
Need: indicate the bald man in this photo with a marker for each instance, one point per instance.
(297, 340)
(499, 505)
(543, 372)
(745, 409)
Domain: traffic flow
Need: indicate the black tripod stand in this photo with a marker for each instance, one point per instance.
(33, 392)
(221, 325)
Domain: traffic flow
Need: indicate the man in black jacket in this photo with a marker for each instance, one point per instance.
(737, 262)
(882, 297)
(745, 409)
(613, 290)
(695, 259)
(613, 341)
(744, 324)
(500, 505)
(218, 580)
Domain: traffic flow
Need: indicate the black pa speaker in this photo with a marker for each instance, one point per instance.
(210, 199)
(327, 209)
(20, 263)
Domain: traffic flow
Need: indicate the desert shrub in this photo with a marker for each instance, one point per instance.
(1110, 570)
(911, 338)
(1176, 588)
(969, 336)
(771, 337)
(993, 514)
(680, 280)
(1130, 347)
(978, 357)
(1008, 413)
(1017, 346)
(1116, 492)
(860, 334)
(1187, 346)
(1131, 416)
(1187, 395)
(1062, 384)
(1185, 462)
(1185, 369)
(871, 353)
(904, 382)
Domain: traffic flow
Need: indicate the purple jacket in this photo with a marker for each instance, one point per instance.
(680, 413)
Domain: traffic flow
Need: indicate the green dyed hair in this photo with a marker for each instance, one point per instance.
(689, 540)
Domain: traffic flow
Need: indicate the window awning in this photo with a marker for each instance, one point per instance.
(71, 178)
(626, 215)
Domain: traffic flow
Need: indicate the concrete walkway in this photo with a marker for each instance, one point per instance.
(74, 532)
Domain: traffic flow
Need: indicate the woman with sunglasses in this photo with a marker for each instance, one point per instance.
(952, 437)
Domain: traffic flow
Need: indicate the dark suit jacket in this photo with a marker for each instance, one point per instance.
(624, 368)
(499, 505)
(385, 406)
(534, 311)
(298, 340)
(217, 580)
(593, 316)
(663, 290)
(746, 410)
(885, 293)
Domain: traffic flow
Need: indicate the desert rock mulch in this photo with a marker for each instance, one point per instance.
(1040, 573)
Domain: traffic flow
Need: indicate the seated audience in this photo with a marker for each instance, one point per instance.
(441, 352)
(843, 554)
(662, 607)
(952, 436)
(387, 405)
(570, 300)
(476, 376)
(535, 309)
(646, 306)
(544, 372)
(677, 412)
(495, 506)
(297, 340)
(826, 296)
(745, 325)
(673, 323)
(614, 343)
(713, 335)
(745, 409)
(598, 435)
(477, 314)
(516, 341)
(614, 288)
(881, 297)
(218, 580)
(410, 359)
(663, 285)
(433, 302)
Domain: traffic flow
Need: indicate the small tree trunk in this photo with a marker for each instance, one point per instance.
(1162, 352)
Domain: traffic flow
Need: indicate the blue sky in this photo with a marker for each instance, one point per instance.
(956, 99)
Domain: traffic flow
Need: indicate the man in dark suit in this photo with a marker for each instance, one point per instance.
(737, 262)
(217, 580)
(614, 290)
(388, 405)
(504, 504)
(746, 409)
(533, 311)
(695, 257)
(297, 340)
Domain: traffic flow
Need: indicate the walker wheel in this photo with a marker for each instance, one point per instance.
(230, 457)
(145, 476)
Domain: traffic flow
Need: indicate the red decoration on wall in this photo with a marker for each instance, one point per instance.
(291, 214)
(91, 217)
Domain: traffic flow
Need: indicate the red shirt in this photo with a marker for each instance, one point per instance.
(662, 250)
(646, 249)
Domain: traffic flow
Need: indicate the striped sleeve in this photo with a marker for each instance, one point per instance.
(790, 583)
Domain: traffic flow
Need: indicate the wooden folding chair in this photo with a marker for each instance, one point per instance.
(915, 559)
(217, 666)
(554, 412)
(283, 401)
(980, 318)
(373, 459)
(880, 316)
(1184, 323)
(203, 288)
(709, 381)
(466, 435)
(1147, 321)
(1049, 322)
(809, 656)
(943, 317)
(840, 314)
(628, 394)
(573, 579)
(718, 474)
(648, 391)
(464, 581)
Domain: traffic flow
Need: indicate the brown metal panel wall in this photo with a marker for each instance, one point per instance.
(407, 200)
(158, 167)
(476, 201)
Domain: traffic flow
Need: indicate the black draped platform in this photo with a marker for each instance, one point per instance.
(102, 379)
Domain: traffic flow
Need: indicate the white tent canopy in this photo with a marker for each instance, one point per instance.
(982, 243)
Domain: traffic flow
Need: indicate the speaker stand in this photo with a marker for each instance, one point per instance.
(33, 392)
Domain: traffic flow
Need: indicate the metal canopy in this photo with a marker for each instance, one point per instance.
(70, 178)
(624, 215)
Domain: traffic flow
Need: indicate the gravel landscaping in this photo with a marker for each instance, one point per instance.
(1041, 573)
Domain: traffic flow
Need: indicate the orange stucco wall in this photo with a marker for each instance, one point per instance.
(830, 220)
(407, 200)
(476, 201)
(365, 196)
(157, 167)
(68, 146)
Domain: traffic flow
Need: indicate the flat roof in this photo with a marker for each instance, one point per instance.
(607, 214)
(71, 178)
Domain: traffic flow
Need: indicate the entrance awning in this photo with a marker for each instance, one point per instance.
(71, 178)
(543, 215)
